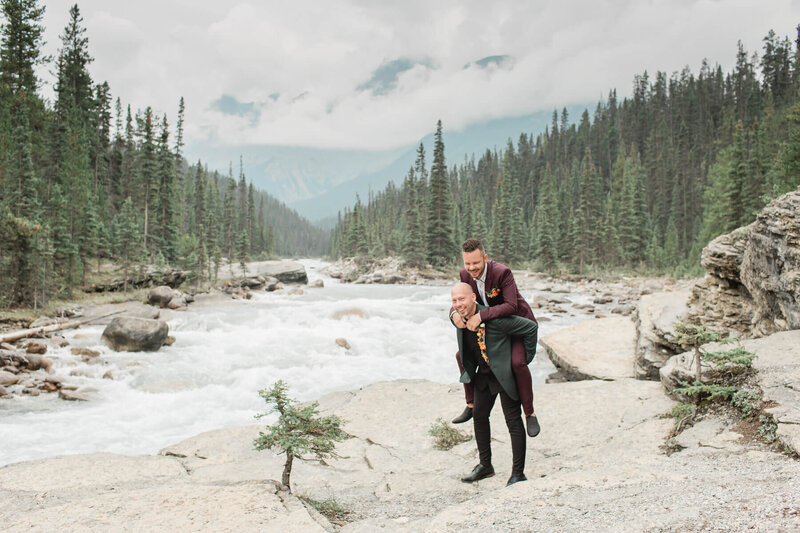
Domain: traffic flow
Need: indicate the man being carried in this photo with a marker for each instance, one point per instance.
(486, 358)
(494, 285)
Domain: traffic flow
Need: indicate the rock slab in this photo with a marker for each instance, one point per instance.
(778, 364)
(591, 469)
(594, 349)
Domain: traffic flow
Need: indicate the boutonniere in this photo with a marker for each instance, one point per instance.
(482, 341)
(495, 293)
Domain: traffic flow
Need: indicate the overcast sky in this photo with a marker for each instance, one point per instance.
(378, 74)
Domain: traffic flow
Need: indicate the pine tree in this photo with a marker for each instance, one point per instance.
(544, 231)
(589, 213)
(129, 238)
(146, 173)
(414, 240)
(251, 219)
(179, 138)
(357, 243)
(165, 200)
(440, 246)
(229, 219)
(20, 50)
(242, 249)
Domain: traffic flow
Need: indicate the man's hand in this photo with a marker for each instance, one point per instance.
(458, 320)
(474, 321)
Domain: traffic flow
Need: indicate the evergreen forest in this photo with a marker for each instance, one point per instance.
(86, 180)
(641, 184)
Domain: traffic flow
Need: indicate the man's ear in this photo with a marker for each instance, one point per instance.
(485, 257)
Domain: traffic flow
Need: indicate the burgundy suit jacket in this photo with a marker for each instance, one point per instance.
(507, 300)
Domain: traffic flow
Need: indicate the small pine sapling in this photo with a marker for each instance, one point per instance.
(298, 431)
(696, 336)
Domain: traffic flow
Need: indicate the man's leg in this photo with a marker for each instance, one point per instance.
(522, 376)
(469, 395)
(484, 401)
(511, 411)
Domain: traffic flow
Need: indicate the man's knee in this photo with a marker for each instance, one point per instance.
(480, 417)
(458, 361)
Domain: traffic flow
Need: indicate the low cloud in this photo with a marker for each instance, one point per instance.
(361, 74)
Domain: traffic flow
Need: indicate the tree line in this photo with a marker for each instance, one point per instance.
(86, 180)
(640, 184)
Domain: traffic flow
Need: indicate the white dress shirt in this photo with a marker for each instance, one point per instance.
(481, 283)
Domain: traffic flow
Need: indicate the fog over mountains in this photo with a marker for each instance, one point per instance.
(318, 182)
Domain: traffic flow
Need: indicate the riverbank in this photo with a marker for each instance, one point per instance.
(598, 465)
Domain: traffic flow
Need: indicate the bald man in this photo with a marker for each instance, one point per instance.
(486, 358)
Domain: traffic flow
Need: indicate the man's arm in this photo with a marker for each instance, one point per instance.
(457, 320)
(508, 290)
(527, 329)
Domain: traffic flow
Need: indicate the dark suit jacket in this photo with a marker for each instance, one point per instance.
(508, 300)
(498, 349)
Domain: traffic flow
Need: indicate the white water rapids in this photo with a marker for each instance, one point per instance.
(226, 352)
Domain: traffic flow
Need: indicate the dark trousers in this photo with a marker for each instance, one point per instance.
(484, 401)
(522, 376)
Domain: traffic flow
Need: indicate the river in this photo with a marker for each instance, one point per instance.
(227, 351)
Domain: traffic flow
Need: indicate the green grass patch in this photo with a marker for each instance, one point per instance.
(680, 411)
(329, 508)
(446, 436)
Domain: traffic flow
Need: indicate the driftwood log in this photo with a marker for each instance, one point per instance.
(35, 332)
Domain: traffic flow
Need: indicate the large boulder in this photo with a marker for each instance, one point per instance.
(160, 296)
(655, 318)
(131, 334)
(594, 349)
(752, 282)
(720, 301)
(284, 271)
(770, 267)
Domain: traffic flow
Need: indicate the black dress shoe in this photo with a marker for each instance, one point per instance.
(516, 478)
(464, 416)
(478, 473)
(533, 425)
